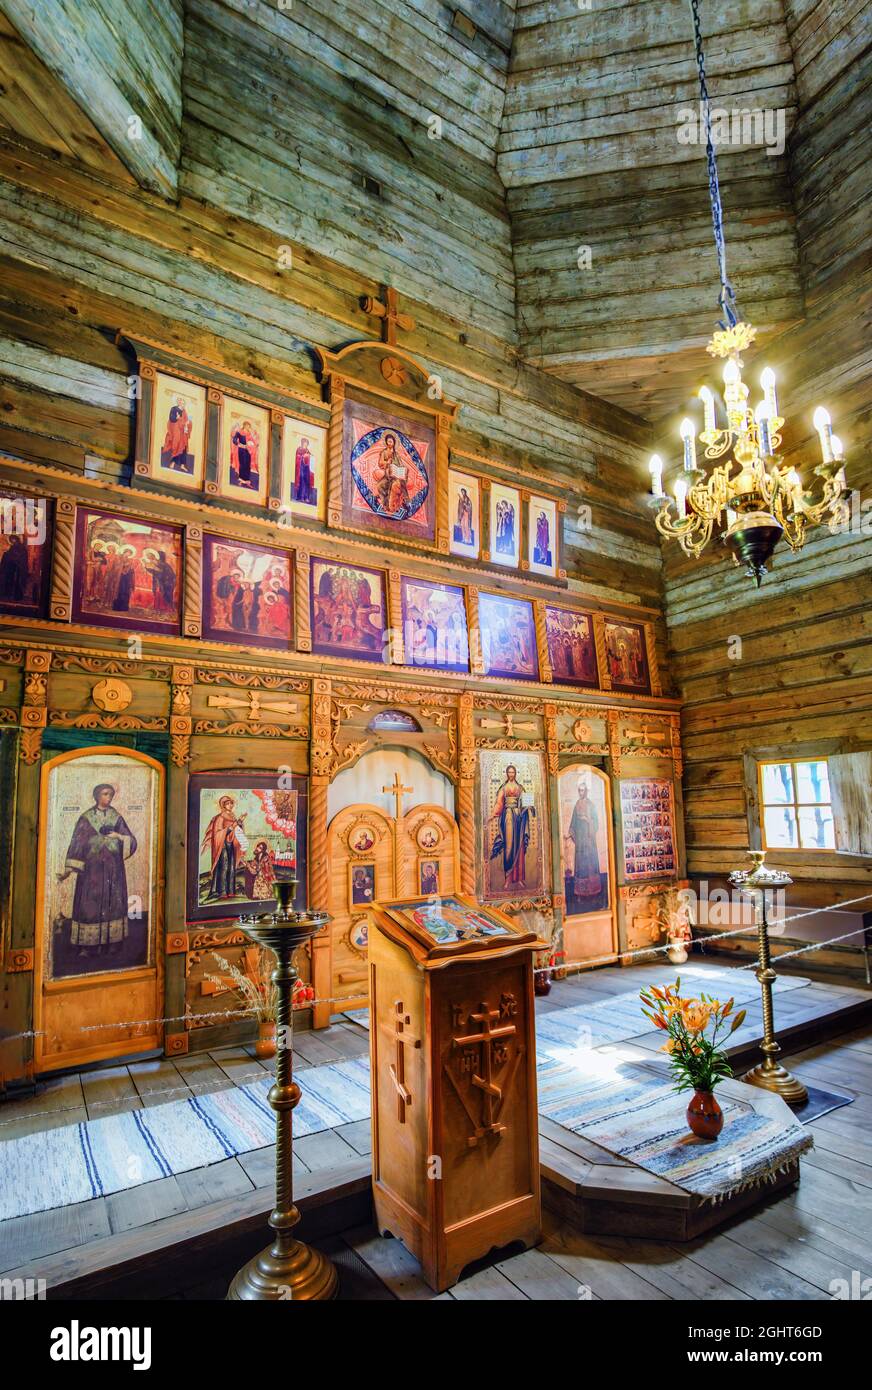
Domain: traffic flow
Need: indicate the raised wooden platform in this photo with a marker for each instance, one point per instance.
(150, 1241)
(599, 1193)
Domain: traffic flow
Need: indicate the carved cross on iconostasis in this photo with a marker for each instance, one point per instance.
(480, 1054)
(386, 310)
(509, 726)
(254, 705)
(391, 368)
(399, 791)
(402, 1039)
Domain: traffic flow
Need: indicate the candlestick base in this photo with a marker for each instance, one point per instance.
(298, 1274)
(771, 1076)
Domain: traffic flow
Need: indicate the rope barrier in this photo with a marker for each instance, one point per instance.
(612, 959)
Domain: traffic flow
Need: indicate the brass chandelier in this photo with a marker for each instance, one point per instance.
(752, 498)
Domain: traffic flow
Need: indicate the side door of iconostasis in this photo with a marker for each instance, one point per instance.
(98, 935)
(584, 839)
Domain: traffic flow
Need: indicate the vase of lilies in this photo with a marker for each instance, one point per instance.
(694, 1028)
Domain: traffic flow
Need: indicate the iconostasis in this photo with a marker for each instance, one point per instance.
(306, 637)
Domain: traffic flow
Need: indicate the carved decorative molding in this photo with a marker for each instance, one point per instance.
(126, 723)
(63, 555)
(19, 960)
(251, 680)
(111, 694)
(192, 619)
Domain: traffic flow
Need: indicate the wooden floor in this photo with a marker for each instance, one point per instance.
(792, 1248)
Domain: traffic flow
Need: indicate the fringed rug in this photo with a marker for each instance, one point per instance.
(634, 1111)
(94, 1158)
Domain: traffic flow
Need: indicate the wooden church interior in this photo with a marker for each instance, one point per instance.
(338, 349)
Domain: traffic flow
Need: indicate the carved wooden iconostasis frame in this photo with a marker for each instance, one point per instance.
(223, 705)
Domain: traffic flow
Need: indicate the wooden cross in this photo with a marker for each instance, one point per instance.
(487, 1041)
(508, 725)
(391, 318)
(399, 791)
(398, 1066)
(254, 706)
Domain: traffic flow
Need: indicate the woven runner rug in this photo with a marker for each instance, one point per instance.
(633, 1111)
(94, 1158)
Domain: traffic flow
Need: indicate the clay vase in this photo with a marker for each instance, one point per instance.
(705, 1116)
(542, 983)
(266, 1040)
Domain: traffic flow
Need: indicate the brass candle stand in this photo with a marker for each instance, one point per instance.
(768, 1074)
(287, 1269)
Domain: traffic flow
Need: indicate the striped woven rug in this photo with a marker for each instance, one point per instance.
(94, 1158)
(633, 1111)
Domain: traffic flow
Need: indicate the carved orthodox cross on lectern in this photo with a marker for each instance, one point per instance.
(487, 1048)
(398, 791)
(402, 1039)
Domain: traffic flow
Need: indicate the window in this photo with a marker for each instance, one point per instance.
(795, 805)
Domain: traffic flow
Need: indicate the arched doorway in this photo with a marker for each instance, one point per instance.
(97, 961)
(400, 841)
(587, 863)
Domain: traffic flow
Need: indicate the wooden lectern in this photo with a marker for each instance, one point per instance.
(455, 1143)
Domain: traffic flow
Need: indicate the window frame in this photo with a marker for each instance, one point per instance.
(779, 760)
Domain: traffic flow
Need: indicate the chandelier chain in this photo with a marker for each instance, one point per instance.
(727, 298)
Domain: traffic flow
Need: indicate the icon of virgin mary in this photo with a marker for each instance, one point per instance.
(513, 837)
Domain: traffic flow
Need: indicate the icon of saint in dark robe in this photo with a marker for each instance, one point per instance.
(513, 837)
(583, 828)
(101, 843)
(15, 571)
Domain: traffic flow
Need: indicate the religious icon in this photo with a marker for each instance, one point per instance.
(127, 572)
(362, 839)
(584, 826)
(100, 843)
(464, 513)
(434, 625)
(428, 836)
(428, 877)
(393, 721)
(508, 637)
(304, 451)
(627, 656)
(448, 921)
(362, 878)
(647, 822)
(389, 471)
(178, 432)
(348, 611)
(571, 647)
(245, 833)
(244, 459)
(542, 533)
(514, 818)
(505, 525)
(247, 593)
(25, 554)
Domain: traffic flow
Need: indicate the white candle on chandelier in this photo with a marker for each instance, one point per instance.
(708, 405)
(688, 433)
(794, 480)
(655, 468)
(763, 436)
(837, 447)
(681, 495)
(767, 381)
(823, 425)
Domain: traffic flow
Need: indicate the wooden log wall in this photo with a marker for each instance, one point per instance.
(590, 157)
(121, 65)
(804, 679)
